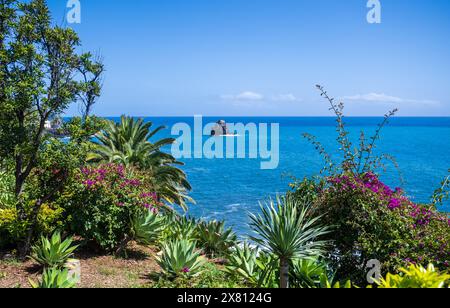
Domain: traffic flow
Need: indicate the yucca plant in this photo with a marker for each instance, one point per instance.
(286, 229)
(215, 239)
(181, 258)
(53, 253)
(146, 227)
(54, 278)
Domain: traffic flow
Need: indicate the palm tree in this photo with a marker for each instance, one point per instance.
(287, 230)
(128, 143)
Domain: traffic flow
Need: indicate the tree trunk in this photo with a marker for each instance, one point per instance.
(284, 273)
(122, 250)
(25, 247)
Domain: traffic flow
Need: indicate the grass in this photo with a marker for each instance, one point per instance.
(106, 271)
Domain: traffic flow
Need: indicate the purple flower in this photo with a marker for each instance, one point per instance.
(394, 204)
(186, 270)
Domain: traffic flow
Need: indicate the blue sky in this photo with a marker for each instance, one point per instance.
(264, 57)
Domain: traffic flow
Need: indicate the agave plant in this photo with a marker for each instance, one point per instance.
(128, 143)
(54, 278)
(287, 230)
(146, 227)
(215, 239)
(53, 253)
(308, 273)
(179, 228)
(326, 284)
(181, 258)
(256, 267)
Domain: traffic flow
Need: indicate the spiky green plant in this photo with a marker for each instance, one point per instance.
(286, 229)
(53, 252)
(215, 239)
(54, 278)
(128, 143)
(181, 258)
(307, 273)
(146, 227)
(257, 268)
(179, 228)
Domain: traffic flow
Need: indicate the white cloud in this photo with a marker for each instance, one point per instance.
(244, 96)
(250, 96)
(285, 98)
(383, 98)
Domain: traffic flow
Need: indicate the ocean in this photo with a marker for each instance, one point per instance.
(228, 189)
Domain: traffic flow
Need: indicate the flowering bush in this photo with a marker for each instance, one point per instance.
(373, 221)
(103, 200)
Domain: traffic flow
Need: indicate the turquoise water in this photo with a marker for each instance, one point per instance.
(229, 189)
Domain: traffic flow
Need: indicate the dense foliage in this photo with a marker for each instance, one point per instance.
(102, 201)
(416, 277)
(373, 221)
(128, 143)
(40, 71)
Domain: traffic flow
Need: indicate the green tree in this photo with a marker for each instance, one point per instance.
(128, 143)
(287, 230)
(39, 80)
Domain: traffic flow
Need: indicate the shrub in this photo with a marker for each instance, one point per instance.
(12, 229)
(53, 253)
(7, 198)
(373, 221)
(53, 278)
(416, 277)
(104, 199)
(214, 239)
(181, 258)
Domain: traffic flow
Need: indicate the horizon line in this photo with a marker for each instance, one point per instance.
(257, 116)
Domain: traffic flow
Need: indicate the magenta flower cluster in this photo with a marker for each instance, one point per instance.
(114, 179)
(393, 199)
(98, 176)
(186, 270)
